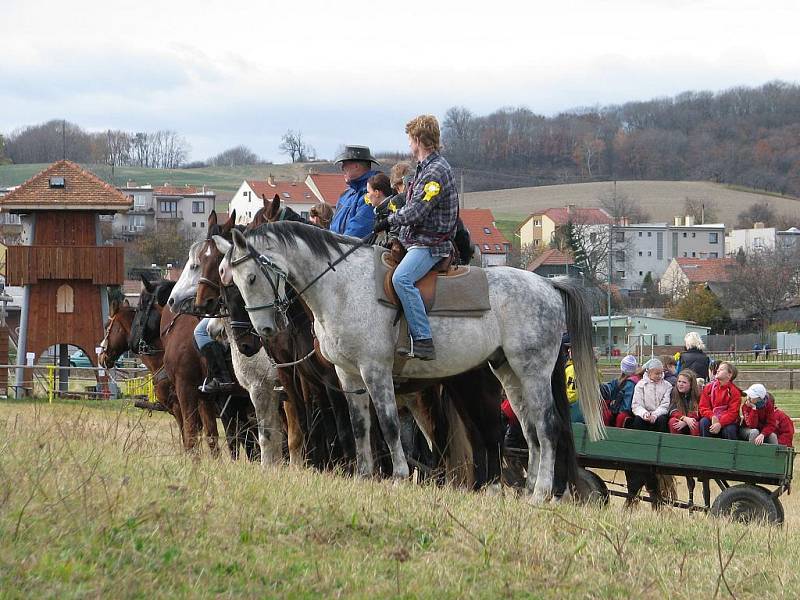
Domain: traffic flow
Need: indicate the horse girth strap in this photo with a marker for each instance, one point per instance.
(170, 325)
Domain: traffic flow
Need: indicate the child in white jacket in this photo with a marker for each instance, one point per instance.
(651, 398)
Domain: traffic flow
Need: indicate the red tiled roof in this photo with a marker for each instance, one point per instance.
(584, 216)
(297, 191)
(330, 186)
(705, 270)
(477, 220)
(82, 191)
(552, 256)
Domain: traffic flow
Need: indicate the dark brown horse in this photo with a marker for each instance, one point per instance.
(116, 342)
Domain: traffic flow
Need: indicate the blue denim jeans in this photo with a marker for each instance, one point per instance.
(729, 432)
(201, 336)
(411, 269)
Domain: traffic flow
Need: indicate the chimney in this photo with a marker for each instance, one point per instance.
(130, 183)
(689, 220)
(570, 209)
(758, 225)
(271, 180)
(204, 188)
(678, 221)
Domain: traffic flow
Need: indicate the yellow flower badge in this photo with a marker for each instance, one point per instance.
(392, 206)
(431, 189)
(367, 200)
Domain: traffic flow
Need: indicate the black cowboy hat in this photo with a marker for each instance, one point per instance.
(361, 153)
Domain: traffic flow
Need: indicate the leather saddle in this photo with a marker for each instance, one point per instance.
(426, 285)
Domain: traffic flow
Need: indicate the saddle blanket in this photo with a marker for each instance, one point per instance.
(463, 292)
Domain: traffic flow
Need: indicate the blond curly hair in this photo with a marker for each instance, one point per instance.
(425, 128)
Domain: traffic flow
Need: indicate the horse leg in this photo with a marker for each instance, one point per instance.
(229, 423)
(358, 405)
(265, 402)
(188, 410)
(208, 416)
(295, 431)
(344, 431)
(381, 388)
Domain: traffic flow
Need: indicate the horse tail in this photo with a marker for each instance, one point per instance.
(566, 467)
(579, 327)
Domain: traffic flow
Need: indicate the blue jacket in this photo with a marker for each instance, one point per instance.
(354, 216)
(622, 398)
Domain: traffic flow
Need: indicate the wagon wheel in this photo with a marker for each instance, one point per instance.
(589, 488)
(778, 505)
(747, 503)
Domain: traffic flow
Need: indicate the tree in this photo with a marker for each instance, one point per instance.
(702, 209)
(651, 296)
(621, 206)
(760, 212)
(234, 157)
(701, 306)
(765, 282)
(292, 144)
(169, 242)
(3, 158)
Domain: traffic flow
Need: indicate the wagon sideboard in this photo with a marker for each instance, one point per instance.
(685, 455)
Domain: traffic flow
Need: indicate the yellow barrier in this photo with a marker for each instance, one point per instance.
(139, 386)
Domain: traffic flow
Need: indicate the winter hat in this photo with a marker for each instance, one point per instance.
(628, 365)
(653, 363)
(756, 391)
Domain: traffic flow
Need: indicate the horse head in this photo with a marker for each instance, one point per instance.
(194, 276)
(117, 333)
(146, 326)
(262, 284)
(247, 340)
(271, 212)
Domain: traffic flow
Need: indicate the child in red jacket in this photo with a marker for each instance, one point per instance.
(684, 414)
(719, 405)
(758, 416)
(784, 429)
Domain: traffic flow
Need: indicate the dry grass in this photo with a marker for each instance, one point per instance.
(661, 199)
(101, 503)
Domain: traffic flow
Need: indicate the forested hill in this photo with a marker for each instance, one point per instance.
(744, 136)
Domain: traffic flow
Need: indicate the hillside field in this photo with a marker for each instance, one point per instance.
(662, 200)
(97, 500)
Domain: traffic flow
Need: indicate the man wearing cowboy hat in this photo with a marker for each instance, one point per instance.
(353, 215)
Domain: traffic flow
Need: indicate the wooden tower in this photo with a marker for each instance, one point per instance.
(61, 263)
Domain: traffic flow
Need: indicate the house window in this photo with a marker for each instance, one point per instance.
(198, 206)
(640, 234)
(621, 274)
(487, 231)
(202, 223)
(168, 206)
(135, 222)
(684, 255)
(694, 254)
(619, 255)
(486, 246)
(286, 195)
(684, 234)
(649, 234)
(667, 339)
(694, 234)
(640, 273)
(649, 253)
(592, 237)
(498, 248)
(640, 253)
(713, 237)
(194, 224)
(139, 201)
(713, 254)
(536, 242)
(65, 301)
(536, 223)
(619, 236)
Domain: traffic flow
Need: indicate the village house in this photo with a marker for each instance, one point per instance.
(151, 205)
(553, 263)
(540, 229)
(491, 246)
(760, 238)
(641, 335)
(684, 273)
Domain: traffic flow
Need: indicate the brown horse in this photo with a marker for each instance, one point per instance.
(116, 342)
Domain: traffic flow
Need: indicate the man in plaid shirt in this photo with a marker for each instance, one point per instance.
(427, 224)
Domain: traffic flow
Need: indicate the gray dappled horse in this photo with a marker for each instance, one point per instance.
(519, 337)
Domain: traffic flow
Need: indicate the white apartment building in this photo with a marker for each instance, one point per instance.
(649, 247)
(151, 205)
(760, 238)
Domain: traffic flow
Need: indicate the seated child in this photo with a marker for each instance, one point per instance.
(670, 369)
(758, 416)
(684, 406)
(651, 398)
(719, 404)
(617, 412)
(784, 429)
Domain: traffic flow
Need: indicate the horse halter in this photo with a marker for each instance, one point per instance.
(275, 276)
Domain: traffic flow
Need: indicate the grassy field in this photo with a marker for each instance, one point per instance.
(662, 200)
(100, 502)
(220, 179)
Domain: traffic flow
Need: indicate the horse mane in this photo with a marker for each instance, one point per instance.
(320, 241)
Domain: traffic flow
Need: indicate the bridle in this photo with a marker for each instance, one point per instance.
(275, 276)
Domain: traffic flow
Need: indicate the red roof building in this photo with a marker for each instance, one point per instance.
(491, 245)
(248, 199)
(683, 273)
(327, 186)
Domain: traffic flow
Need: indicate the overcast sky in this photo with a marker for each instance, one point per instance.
(241, 72)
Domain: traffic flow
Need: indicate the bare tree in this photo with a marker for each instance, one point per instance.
(234, 157)
(621, 206)
(292, 144)
(765, 281)
(702, 209)
(761, 212)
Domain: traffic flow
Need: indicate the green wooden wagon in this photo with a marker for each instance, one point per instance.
(751, 478)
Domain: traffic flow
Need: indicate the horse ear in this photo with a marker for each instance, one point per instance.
(223, 245)
(126, 304)
(264, 202)
(148, 285)
(113, 308)
(212, 219)
(239, 241)
(228, 225)
(272, 211)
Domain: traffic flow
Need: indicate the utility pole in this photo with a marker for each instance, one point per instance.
(64, 139)
(462, 188)
(608, 281)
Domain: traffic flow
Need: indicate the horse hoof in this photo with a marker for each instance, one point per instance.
(493, 489)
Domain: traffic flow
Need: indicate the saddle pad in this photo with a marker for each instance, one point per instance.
(464, 292)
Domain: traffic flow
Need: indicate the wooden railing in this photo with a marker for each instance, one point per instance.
(103, 265)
